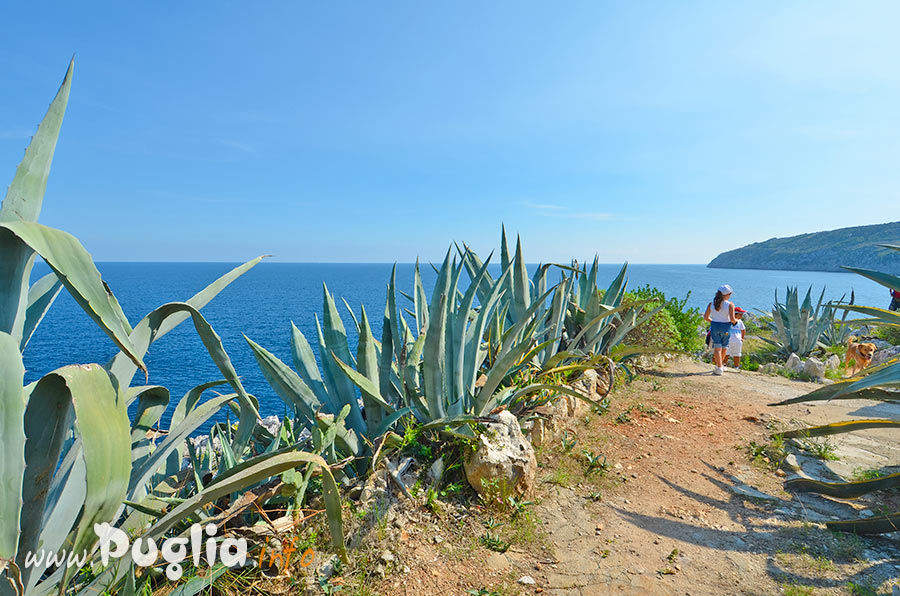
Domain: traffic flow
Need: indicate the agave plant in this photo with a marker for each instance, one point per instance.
(797, 326)
(449, 373)
(838, 330)
(518, 296)
(881, 383)
(71, 456)
(318, 395)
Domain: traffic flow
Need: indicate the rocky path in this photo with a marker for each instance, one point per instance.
(692, 515)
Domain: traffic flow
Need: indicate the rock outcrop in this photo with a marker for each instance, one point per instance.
(503, 463)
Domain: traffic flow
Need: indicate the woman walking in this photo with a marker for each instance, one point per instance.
(720, 314)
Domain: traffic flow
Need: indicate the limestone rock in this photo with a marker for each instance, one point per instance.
(503, 463)
(814, 368)
(794, 364)
(769, 368)
(882, 356)
(833, 362)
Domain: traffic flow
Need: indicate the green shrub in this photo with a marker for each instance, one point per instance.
(659, 331)
(685, 320)
(888, 333)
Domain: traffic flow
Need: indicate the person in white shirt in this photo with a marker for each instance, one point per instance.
(736, 339)
(720, 314)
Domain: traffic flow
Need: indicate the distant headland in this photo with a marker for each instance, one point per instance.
(820, 251)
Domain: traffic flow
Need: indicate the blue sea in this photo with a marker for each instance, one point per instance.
(263, 302)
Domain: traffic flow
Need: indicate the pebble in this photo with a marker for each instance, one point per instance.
(527, 580)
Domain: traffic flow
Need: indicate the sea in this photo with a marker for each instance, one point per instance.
(262, 303)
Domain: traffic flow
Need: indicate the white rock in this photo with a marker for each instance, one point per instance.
(794, 364)
(769, 368)
(833, 362)
(814, 368)
(527, 580)
(503, 462)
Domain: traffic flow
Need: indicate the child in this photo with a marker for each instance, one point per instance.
(736, 339)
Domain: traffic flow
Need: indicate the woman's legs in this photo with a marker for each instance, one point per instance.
(719, 357)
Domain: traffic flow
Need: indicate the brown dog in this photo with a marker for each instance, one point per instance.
(859, 356)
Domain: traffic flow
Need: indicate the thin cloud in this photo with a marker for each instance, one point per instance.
(547, 210)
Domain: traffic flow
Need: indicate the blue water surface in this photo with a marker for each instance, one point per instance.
(262, 303)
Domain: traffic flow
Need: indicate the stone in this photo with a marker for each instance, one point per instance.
(794, 364)
(833, 362)
(436, 471)
(882, 356)
(527, 580)
(503, 462)
(814, 368)
(744, 490)
(326, 569)
(496, 562)
(769, 368)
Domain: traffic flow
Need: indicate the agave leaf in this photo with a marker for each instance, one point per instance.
(364, 383)
(885, 279)
(40, 297)
(146, 467)
(46, 424)
(73, 266)
(839, 427)
(101, 418)
(243, 475)
(23, 202)
(152, 403)
(12, 440)
(286, 383)
(434, 348)
(842, 490)
(367, 363)
(145, 334)
(501, 367)
(880, 524)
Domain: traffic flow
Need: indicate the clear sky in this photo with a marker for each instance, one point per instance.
(380, 131)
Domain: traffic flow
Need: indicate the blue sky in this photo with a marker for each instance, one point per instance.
(653, 132)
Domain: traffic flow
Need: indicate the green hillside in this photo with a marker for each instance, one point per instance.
(820, 251)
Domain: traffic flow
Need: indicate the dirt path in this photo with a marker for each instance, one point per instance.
(690, 513)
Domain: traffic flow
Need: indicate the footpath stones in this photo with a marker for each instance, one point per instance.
(503, 463)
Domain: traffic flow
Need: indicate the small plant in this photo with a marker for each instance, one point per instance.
(666, 571)
(568, 442)
(595, 463)
(771, 454)
(482, 592)
(823, 449)
(491, 523)
(494, 542)
(431, 501)
(673, 555)
(517, 506)
(595, 496)
(602, 407)
(798, 590)
(648, 410)
(863, 474)
(624, 417)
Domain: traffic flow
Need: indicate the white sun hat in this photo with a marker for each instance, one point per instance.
(726, 289)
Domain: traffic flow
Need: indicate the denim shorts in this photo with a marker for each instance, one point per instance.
(719, 334)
